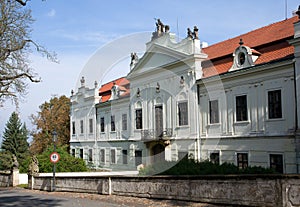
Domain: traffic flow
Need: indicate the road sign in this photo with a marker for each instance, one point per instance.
(54, 157)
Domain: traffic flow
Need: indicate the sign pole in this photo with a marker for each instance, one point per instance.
(54, 157)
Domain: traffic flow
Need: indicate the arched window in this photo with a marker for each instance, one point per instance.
(138, 116)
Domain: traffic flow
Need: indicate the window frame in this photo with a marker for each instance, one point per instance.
(113, 156)
(282, 162)
(81, 153)
(272, 113)
(139, 119)
(124, 157)
(112, 123)
(91, 126)
(211, 120)
(73, 128)
(124, 122)
(81, 127)
(183, 113)
(241, 110)
(213, 159)
(102, 156)
(102, 124)
(90, 155)
(243, 162)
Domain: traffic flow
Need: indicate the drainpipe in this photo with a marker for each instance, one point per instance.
(297, 141)
(198, 123)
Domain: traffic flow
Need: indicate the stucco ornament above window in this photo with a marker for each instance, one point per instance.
(243, 57)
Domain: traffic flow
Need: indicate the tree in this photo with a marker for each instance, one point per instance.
(14, 142)
(67, 162)
(15, 45)
(53, 115)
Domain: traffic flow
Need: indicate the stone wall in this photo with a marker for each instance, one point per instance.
(249, 190)
(5, 179)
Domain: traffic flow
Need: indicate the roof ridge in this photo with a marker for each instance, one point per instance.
(255, 30)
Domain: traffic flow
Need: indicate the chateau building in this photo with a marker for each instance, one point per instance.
(236, 101)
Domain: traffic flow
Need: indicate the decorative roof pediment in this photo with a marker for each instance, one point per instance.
(157, 56)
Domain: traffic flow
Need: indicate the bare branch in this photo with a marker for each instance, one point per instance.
(15, 46)
(23, 3)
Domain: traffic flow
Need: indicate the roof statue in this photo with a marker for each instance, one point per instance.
(134, 60)
(189, 33)
(193, 35)
(161, 29)
(82, 81)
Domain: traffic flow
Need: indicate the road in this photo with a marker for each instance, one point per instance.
(28, 198)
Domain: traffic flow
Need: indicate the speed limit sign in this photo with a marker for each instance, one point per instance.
(54, 157)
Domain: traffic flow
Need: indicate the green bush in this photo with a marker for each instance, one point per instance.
(188, 166)
(67, 162)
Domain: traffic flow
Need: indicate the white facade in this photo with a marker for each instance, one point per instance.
(172, 110)
(258, 136)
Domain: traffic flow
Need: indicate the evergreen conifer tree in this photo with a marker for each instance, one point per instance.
(14, 140)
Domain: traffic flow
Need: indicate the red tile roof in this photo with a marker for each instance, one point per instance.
(269, 41)
(105, 90)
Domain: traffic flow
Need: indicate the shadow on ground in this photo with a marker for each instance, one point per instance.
(12, 198)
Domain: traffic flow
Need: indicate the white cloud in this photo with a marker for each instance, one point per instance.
(51, 13)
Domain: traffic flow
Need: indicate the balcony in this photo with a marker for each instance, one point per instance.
(151, 134)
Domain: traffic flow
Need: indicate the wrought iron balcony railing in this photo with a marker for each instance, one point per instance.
(151, 134)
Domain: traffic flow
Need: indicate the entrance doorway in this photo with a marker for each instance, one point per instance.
(158, 153)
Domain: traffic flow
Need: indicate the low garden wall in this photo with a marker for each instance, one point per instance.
(249, 190)
(5, 179)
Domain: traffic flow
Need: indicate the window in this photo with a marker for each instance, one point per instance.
(138, 157)
(183, 113)
(215, 157)
(274, 104)
(90, 155)
(276, 162)
(124, 156)
(73, 152)
(241, 108)
(73, 128)
(138, 119)
(91, 126)
(214, 111)
(113, 156)
(102, 124)
(81, 153)
(242, 58)
(112, 124)
(124, 122)
(81, 126)
(102, 155)
(242, 160)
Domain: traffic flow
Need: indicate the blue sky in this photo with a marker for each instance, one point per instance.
(76, 29)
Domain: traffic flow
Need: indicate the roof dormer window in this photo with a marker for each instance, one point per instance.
(243, 57)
